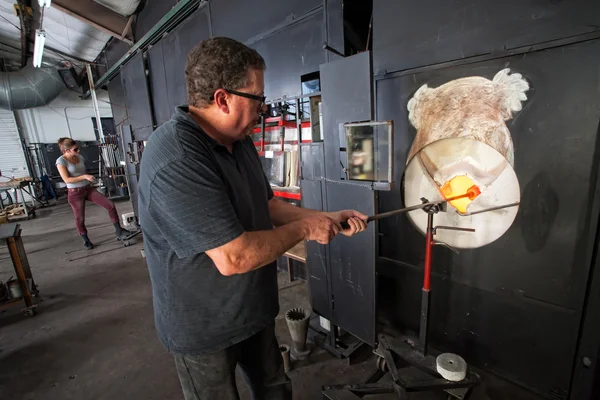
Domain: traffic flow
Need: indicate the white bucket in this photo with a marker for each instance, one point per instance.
(14, 289)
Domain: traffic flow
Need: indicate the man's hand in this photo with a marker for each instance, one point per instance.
(356, 220)
(321, 228)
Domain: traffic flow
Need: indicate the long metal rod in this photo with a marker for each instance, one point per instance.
(331, 49)
(585, 37)
(426, 290)
(412, 208)
(488, 209)
(88, 69)
(407, 209)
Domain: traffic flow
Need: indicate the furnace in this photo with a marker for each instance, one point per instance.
(461, 192)
(463, 141)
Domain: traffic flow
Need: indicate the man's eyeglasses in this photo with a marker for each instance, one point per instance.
(75, 149)
(261, 99)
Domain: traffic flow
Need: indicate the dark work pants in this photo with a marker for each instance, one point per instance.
(212, 376)
(77, 198)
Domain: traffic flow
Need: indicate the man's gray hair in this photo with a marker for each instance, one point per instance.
(218, 63)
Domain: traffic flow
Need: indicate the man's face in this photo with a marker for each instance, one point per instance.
(245, 112)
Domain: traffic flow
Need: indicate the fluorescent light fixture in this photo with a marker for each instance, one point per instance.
(38, 50)
(44, 3)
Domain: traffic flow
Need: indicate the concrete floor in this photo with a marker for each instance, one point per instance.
(94, 335)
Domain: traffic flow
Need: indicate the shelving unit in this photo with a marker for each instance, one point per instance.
(278, 137)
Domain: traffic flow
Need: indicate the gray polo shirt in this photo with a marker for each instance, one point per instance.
(195, 196)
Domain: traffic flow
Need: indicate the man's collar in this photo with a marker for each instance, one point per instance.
(182, 115)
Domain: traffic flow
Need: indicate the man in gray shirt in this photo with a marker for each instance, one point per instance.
(213, 230)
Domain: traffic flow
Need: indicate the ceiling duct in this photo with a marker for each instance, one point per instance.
(29, 87)
(123, 8)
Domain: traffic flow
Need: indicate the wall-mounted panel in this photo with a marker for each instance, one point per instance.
(153, 11)
(158, 84)
(316, 254)
(335, 27)
(352, 264)
(290, 53)
(346, 87)
(118, 102)
(114, 51)
(231, 18)
(542, 263)
(135, 84)
(408, 34)
(176, 46)
(521, 340)
(167, 60)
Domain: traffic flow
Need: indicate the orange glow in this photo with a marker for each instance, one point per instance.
(458, 186)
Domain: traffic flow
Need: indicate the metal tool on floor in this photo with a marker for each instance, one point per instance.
(127, 241)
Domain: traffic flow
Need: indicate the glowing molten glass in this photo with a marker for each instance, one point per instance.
(463, 187)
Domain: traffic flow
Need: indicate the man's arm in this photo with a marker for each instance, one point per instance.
(252, 250)
(189, 204)
(284, 213)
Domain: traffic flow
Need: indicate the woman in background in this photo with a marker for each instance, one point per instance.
(71, 167)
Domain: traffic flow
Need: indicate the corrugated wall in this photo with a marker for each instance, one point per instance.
(12, 159)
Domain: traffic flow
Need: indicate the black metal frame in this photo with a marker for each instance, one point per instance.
(392, 351)
(408, 351)
(344, 347)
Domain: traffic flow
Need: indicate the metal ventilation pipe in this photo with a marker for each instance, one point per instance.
(29, 87)
(123, 8)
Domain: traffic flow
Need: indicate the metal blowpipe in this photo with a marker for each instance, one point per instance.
(471, 193)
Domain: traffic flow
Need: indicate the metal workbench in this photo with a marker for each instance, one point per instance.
(20, 185)
(11, 235)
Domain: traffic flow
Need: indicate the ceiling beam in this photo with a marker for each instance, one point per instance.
(127, 28)
(97, 16)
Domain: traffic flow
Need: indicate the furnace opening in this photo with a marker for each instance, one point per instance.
(459, 186)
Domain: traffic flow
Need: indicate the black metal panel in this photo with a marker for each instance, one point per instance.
(108, 126)
(352, 264)
(346, 87)
(290, 53)
(316, 254)
(135, 84)
(118, 103)
(158, 84)
(176, 46)
(313, 162)
(334, 21)
(506, 335)
(132, 170)
(231, 18)
(152, 12)
(408, 34)
(536, 274)
(586, 373)
(114, 51)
